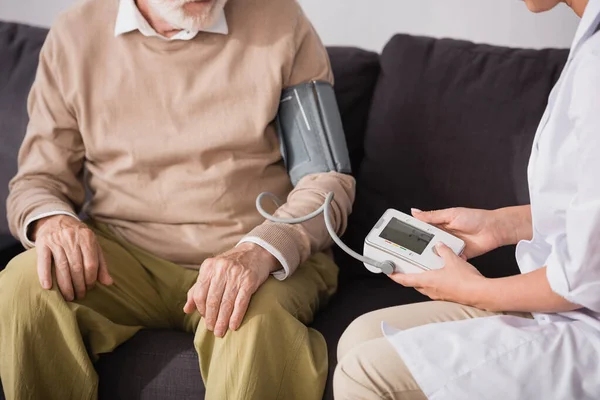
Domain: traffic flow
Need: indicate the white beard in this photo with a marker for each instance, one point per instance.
(173, 12)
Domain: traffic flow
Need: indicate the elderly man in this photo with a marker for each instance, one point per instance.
(168, 107)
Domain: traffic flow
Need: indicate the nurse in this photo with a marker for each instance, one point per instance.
(531, 336)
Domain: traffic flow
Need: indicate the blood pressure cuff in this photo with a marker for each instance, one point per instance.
(310, 131)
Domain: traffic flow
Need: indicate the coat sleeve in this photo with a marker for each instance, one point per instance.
(573, 268)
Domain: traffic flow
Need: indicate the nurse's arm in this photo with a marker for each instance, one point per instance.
(513, 224)
(529, 292)
(573, 267)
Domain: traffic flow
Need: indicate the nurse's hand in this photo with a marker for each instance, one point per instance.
(458, 281)
(478, 228)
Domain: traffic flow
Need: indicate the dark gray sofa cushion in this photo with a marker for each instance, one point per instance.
(153, 365)
(10, 250)
(451, 124)
(6, 241)
(19, 52)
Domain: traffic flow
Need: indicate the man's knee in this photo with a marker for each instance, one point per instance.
(300, 295)
(21, 272)
(268, 311)
(20, 286)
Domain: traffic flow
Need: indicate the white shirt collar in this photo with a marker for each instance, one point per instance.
(587, 26)
(129, 18)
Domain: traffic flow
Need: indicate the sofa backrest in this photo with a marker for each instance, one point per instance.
(451, 124)
(356, 72)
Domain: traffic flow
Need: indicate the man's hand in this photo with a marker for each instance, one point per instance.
(77, 256)
(226, 284)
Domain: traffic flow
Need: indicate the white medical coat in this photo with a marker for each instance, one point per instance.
(554, 356)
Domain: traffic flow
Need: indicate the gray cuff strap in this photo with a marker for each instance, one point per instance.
(310, 131)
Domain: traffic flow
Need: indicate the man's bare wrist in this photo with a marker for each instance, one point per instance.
(36, 226)
(267, 259)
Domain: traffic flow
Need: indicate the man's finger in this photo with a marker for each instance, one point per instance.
(225, 310)
(201, 289)
(77, 273)
(242, 302)
(44, 266)
(63, 273)
(438, 217)
(103, 274)
(190, 306)
(213, 300)
(90, 265)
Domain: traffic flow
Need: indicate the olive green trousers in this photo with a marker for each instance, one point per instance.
(47, 345)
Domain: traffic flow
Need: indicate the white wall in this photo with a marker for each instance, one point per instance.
(370, 23)
(37, 12)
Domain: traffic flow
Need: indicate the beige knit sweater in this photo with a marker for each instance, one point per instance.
(177, 137)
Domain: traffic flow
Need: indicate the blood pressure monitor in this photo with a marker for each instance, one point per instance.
(397, 243)
(312, 141)
(408, 243)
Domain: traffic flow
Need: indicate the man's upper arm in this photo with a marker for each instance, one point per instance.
(310, 61)
(293, 244)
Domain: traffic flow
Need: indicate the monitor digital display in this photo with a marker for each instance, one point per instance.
(407, 236)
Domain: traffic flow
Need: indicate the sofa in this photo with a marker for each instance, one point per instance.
(430, 123)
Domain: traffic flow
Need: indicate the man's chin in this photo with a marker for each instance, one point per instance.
(199, 7)
(202, 14)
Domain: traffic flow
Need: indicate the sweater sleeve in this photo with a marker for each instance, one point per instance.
(50, 163)
(293, 244)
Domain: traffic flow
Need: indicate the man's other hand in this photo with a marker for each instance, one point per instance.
(226, 284)
(77, 256)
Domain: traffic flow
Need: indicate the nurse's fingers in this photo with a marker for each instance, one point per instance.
(446, 253)
(410, 280)
(438, 217)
